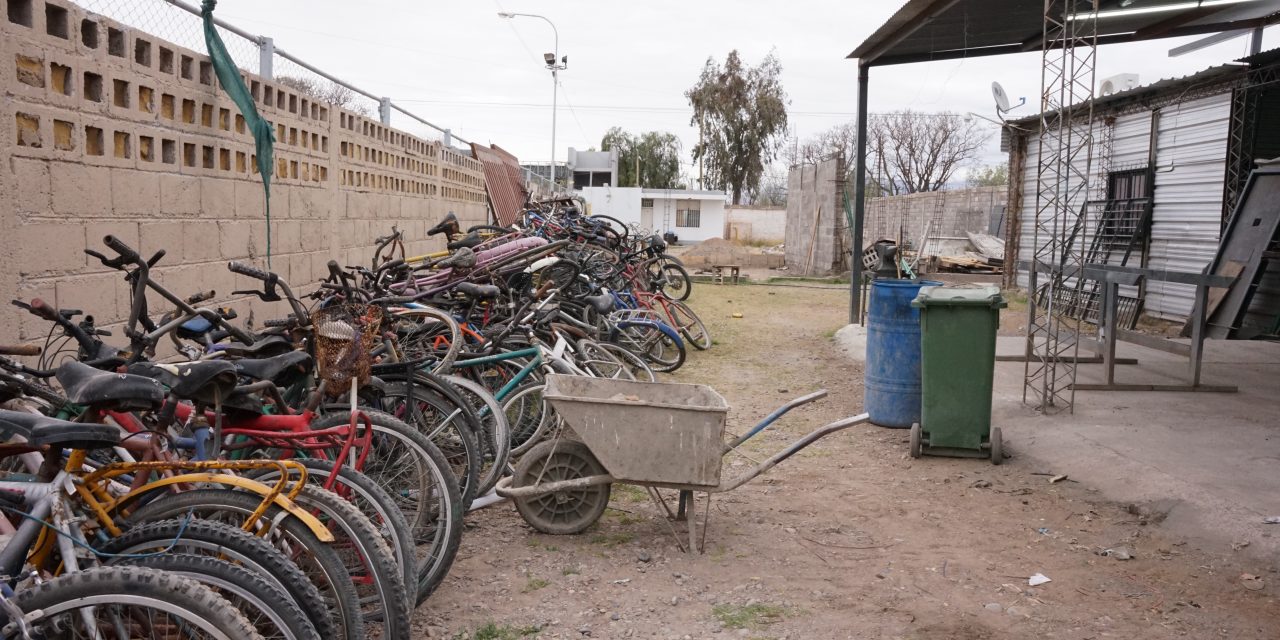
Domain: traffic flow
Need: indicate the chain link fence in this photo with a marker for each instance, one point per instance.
(180, 23)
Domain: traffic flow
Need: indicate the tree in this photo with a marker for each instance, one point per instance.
(911, 152)
(741, 113)
(331, 92)
(655, 153)
(840, 139)
(773, 188)
(996, 175)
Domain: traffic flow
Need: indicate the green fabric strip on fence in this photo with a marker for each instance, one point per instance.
(232, 82)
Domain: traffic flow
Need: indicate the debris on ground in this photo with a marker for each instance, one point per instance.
(1271, 520)
(1038, 579)
(1252, 582)
(1118, 553)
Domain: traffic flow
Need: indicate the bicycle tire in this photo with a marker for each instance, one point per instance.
(495, 432)
(690, 325)
(273, 614)
(107, 588)
(676, 283)
(600, 361)
(640, 370)
(320, 561)
(432, 503)
(411, 346)
(533, 416)
(201, 537)
(372, 500)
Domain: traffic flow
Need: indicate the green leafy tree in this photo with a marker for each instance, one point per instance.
(741, 113)
(996, 175)
(656, 154)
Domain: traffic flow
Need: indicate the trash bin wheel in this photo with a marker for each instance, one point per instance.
(562, 512)
(997, 446)
(915, 440)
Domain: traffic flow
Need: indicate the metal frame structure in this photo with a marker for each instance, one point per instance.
(1069, 55)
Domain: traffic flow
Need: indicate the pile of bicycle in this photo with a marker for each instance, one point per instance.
(200, 477)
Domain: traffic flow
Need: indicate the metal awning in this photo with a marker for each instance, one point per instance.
(926, 30)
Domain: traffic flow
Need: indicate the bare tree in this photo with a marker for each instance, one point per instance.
(912, 152)
(331, 92)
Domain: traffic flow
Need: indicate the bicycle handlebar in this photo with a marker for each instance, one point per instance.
(117, 245)
(19, 350)
(249, 270)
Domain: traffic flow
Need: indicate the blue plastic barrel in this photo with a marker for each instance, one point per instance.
(892, 378)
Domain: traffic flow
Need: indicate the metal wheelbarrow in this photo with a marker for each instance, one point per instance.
(655, 435)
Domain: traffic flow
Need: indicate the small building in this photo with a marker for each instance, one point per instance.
(1168, 163)
(593, 168)
(693, 215)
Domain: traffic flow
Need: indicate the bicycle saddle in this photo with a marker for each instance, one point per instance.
(448, 225)
(265, 347)
(467, 242)
(602, 303)
(88, 386)
(481, 291)
(282, 369)
(202, 381)
(42, 430)
(464, 258)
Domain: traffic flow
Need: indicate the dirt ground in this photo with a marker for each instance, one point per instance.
(849, 539)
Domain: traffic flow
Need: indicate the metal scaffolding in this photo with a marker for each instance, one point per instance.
(1069, 53)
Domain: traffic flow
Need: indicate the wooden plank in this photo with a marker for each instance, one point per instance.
(1231, 269)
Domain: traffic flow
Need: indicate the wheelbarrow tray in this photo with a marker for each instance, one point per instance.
(645, 432)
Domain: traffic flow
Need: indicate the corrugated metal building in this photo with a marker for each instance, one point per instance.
(1172, 191)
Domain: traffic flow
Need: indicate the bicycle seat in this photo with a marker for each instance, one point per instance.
(88, 386)
(42, 430)
(467, 242)
(448, 225)
(481, 291)
(265, 347)
(281, 369)
(464, 258)
(201, 381)
(602, 303)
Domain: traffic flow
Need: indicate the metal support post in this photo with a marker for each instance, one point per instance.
(859, 203)
(384, 111)
(266, 57)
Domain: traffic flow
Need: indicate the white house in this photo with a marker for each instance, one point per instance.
(691, 214)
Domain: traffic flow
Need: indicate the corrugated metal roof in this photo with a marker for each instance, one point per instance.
(924, 30)
(503, 181)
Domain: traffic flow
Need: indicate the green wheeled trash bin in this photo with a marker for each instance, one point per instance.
(958, 352)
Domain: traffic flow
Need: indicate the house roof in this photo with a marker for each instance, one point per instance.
(925, 30)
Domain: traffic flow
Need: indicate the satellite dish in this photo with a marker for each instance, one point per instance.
(1002, 98)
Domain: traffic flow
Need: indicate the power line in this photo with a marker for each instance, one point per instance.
(572, 110)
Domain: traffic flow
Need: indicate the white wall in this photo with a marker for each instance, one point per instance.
(711, 220)
(755, 223)
(622, 203)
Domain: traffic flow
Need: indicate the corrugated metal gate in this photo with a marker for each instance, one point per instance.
(503, 181)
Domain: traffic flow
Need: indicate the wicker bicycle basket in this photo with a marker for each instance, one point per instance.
(346, 334)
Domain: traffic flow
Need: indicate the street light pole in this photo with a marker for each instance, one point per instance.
(556, 65)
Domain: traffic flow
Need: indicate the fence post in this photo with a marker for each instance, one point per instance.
(384, 111)
(266, 57)
(448, 137)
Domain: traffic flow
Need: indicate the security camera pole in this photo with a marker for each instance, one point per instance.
(556, 64)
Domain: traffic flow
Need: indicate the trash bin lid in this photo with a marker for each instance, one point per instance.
(985, 296)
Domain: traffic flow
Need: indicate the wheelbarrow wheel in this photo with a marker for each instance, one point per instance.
(997, 446)
(562, 512)
(915, 440)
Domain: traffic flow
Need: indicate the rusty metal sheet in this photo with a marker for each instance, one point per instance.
(503, 181)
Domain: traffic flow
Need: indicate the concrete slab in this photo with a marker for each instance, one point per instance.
(1210, 460)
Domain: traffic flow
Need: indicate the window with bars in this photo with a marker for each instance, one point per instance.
(689, 213)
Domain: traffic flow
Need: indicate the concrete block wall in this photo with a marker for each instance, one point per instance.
(105, 129)
(815, 227)
(953, 213)
(755, 224)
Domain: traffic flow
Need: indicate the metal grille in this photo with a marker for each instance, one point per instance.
(346, 335)
(1062, 179)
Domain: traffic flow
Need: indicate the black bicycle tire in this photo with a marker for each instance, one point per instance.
(254, 552)
(702, 345)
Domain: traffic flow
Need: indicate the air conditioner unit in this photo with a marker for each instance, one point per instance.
(1117, 83)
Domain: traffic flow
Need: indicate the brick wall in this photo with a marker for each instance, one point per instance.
(952, 213)
(107, 130)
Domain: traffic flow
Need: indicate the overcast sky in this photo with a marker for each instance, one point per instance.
(459, 65)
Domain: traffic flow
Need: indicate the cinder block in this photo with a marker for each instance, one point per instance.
(29, 326)
(49, 247)
(135, 193)
(95, 294)
(217, 198)
(286, 237)
(34, 193)
(166, 235)
(79, 189)
(235, 239)
(200, 241)
(179, 195)
(125, 230)
(249, 200)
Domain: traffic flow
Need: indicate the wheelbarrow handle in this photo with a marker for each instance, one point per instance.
(792, 450)
(773, 417)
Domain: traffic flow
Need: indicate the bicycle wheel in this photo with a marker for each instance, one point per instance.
(529, 415)
(409, 467)
(690, 325)
(134, 602)
(640, 370)
(669, 279)
(601, 362)
(427, 334)
(204, 538)
(665, 352)
(321, 562)
(437, 411)
(373, 501)
(495, 432)
(273, 614)
(364, 555)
